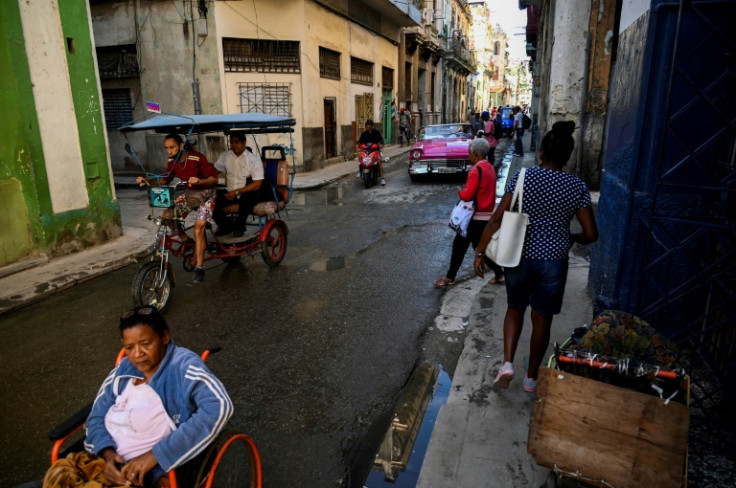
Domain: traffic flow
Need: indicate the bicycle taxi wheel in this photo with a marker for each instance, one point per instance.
(152, 286)
(273, 247)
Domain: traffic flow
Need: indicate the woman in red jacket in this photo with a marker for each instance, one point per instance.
(481, 188)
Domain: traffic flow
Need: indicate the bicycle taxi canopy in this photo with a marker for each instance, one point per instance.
(252, 122)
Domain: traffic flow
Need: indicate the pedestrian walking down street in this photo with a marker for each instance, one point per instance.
(551, 199)
(481, 188)
(518, 130)
(489, 132)
(404, 127)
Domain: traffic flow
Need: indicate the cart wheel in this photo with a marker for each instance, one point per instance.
(152, 286)
(232, 461)
(273, 248)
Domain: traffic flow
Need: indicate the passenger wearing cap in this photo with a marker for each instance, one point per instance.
(372, 136)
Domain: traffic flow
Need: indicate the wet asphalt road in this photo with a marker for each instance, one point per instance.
(315, 351)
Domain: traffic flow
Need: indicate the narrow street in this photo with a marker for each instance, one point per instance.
(315, 351)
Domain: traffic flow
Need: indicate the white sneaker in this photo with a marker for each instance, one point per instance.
(383, 182)
(504, 376)
(358, 175)
(530, 384)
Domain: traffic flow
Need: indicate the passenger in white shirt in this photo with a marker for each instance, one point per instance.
(245, 184)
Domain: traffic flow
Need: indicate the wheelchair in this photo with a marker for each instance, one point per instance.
(232, 460)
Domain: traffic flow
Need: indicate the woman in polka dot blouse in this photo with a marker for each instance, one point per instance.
(551, 198)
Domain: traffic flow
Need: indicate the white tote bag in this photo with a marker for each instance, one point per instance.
(508, 241)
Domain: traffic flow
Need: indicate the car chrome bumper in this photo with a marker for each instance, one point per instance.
(425, 169)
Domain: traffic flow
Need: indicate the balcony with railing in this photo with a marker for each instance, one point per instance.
(455, 50)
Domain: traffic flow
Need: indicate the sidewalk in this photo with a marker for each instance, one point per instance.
(480, 435)
(31, 280)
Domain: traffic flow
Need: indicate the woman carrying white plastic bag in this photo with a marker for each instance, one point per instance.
(481, 187)
(551, 199)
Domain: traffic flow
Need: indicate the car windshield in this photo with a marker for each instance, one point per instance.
(444, 131)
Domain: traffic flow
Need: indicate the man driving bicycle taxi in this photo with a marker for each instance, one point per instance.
(245, 185)
(193, 168)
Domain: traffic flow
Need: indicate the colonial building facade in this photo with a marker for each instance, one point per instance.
(329, 64)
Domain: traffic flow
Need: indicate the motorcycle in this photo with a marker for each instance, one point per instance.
(265, 232)
(368, 160)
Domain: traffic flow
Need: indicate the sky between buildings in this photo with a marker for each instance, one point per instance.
(513, 22)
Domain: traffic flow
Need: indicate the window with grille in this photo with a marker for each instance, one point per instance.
(387, 78)
(267, 98)
(117, 107)
(361, 71)
(261, 55)
(329, 63)
(115, 62)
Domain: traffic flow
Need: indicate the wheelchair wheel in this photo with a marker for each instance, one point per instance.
(152, 286)
(232, 461)
(273, 249)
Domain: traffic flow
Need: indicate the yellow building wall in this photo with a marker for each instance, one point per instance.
(314, 27)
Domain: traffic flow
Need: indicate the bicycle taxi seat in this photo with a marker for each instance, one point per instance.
(276, 172)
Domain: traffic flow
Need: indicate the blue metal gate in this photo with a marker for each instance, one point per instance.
(672, 254)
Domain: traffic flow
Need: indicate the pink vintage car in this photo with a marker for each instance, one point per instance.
(440, 149)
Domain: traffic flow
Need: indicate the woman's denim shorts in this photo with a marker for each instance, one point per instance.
(537, 282)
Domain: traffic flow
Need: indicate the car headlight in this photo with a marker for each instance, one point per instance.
(416, 154)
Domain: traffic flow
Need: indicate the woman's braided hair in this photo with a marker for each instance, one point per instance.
(559, 143)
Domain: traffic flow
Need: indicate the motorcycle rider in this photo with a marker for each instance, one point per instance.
(372, 136)
(245, 184)
(191, 167)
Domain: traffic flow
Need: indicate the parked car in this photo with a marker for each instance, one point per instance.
(440, 149)
(507, 121)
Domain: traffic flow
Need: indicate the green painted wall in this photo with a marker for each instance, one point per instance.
(20, 153)
(23, 180)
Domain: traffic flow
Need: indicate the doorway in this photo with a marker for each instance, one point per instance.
(330, 128)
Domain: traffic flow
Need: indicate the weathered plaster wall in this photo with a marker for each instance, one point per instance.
(568, 66)
(171, 56)
(37, 218)
(21, 168)
(602, 23)
(45, 50)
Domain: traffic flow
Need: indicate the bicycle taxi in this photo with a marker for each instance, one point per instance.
(266, 232)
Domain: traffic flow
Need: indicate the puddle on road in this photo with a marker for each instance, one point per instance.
(401, 453)
(327, 195)
(502, 173)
